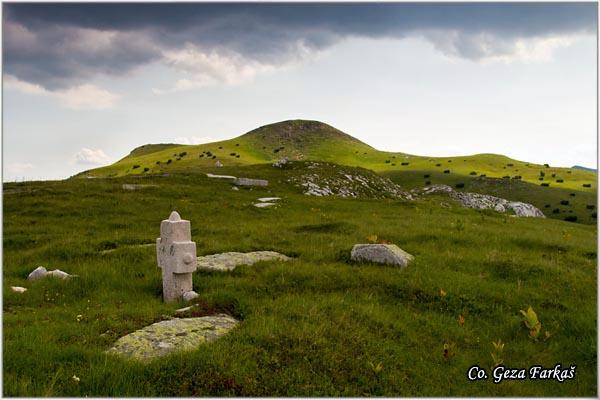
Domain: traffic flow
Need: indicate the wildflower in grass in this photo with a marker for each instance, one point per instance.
(443, 293)
(461, 320)
(79, 317)
(75, 378)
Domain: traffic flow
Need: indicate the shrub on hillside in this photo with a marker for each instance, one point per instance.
(590, 206)
(460, 185)
(446, 171)
(554, 175)
(564, 202)
(506, 177)
(510, 165)
(404, 163)
(556, 211)
(201, 155)
(427, 182)
(594, 215)
(183, 154)
(542, 173)
(158, 162)
(571, 218)
(547, 206)
(572, 194)
(559, 181)
(146, 169)
(232, 154)
(438, 165)
(473, 173)
(587, 185)
(169, 161)
(547, 165)
(517, 177)
(426, 176)
(135, 166)
(540, 178)
(545, 184)
(388, 161)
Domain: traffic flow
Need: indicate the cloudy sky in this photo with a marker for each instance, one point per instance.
(83, 84)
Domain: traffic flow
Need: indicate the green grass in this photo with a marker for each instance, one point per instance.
(315, 326)
(312, 140)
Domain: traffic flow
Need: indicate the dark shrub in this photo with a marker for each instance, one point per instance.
(559, 181)
(473, 173)
(146, 169)
(556, 211)
(169, 161)
(427, 182)
(594, 215)
(587, 185)
(568, 172)
(238, 156)
(393, 164)
(201, 155)
(237, 144)
(438, 165)
(510, 165)
(572, 194)
(158, 162)
(232, 154)
(590, 206)
(178, 158)
(276, 151)
(542, 173)
(571, 218)
(547, 165)
(540, 178)
(426, 176)
(183, 154)
(547, 206)
(135, 166)
(545, 184)
(554, 175)
(449, 160)
(460, 185)
(564, 202)
(388, 161)
(404, 163)
(213, 157)
(517, 177)
(483, 175)
(446, 171)
(506, 177)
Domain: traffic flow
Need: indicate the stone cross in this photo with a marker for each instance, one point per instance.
(176, 254)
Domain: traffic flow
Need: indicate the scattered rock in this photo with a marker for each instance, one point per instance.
(38, 273)
(191, 295)
(57, 273)
(221, 176)
(250, 182)
(264, 205)
(228, 261)
(281, 163)
(268, 199)
(218, 164)
(235, 188)
(130, 186)
(381, 253)
(177, 334)
(484, 201)
(18, 289)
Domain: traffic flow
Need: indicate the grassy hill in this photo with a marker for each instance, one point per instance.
(316, 326)
(543, 186)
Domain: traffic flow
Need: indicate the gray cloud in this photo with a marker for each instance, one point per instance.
(61, 45)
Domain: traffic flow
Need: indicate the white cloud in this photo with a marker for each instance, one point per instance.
(80, 97)
(92, 157)
(193, 140)
(18, 168)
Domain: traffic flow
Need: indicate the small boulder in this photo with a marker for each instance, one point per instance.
(250, 182)
(39, 272)
(57, 273)
(18, 289)
(191, 295)
(263, 205)
(381, 254)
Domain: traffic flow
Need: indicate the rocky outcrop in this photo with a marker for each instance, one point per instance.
(228, 261)
(484, 201)
(41, 272)
(381, 254)
(334, 180)
(177, 334)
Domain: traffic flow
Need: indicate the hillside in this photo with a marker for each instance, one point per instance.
(316, 141)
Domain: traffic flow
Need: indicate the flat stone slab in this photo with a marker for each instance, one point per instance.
(228, 261)
(221, 176)
(264, 205)
(250, 182)
(381, 254)
(268, 199)
(174, 335)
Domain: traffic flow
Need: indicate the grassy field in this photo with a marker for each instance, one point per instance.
(316, 326)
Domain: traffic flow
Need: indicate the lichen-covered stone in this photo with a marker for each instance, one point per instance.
(177, 334)
(39, 272)
(264, 205)
(381, 254)
(230, 260)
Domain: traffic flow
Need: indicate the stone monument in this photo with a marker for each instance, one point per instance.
(176, 254)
